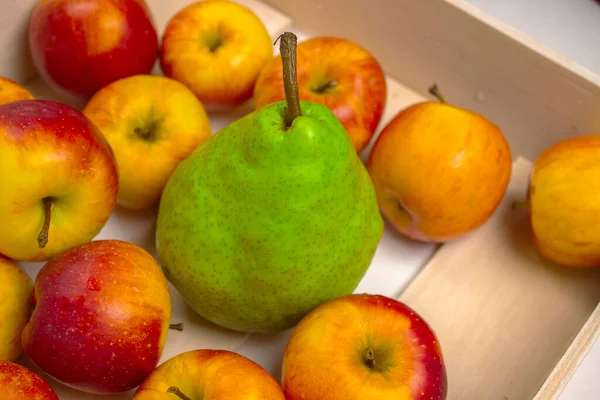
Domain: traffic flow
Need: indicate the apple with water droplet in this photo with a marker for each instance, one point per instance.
(101, 316)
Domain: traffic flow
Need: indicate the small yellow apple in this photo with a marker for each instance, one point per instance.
(15, 292)
(151, 123)
(564, 202)
(11, 91)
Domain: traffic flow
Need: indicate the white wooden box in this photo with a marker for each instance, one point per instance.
(511, 325)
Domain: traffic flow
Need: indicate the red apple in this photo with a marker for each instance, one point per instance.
(209, 375)
(363, 347)
(20, 383)
(101, 317)
(59, 179)
(80, 46)
(335, 72)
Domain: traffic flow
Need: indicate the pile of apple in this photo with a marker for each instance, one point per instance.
(266, 225)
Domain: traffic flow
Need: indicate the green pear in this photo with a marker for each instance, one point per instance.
(270, 217)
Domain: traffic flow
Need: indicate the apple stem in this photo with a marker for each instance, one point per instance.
(43, 236)
(175, 390)
(435, 91)
(521, 204)
(176, 327)
(287, 49)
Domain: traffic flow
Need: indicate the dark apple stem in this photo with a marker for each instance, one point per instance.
(43, 236)
(175, 390)
(370, 358)
(434, 90)
(521, 204)
(176, 327)
(287, 48)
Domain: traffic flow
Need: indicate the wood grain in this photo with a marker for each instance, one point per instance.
(503, 315)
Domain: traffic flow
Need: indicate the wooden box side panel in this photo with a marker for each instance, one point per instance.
(534, 95)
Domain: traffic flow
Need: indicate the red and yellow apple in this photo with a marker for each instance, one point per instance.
(12, 91)
(564, 202)
(363, 347)
(209, 375)
(439, 171)
(20, 383)
(338, 73)
(216, 48)
(15, 292)
(80, 46)
(151, 123)
(59, 179)
(101, 316)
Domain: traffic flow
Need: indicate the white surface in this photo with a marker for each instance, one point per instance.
(571, 27)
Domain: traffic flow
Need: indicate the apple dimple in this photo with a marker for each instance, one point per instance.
(323, 86)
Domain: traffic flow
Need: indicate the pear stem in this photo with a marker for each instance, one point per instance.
(287, 48)
(521, 204)
(177, 392)
(176, 327)
(435, 91)
(42, 238)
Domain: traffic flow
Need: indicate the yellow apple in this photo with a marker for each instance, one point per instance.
(217, 48)
(564, 202)
(209, 375)
(15, 292)
(11, 91)
(151, 123)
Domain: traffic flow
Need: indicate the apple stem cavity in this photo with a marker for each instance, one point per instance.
(43, 236)
(435, 91)
(287, 49)
(176, 327)
(521, 204)
(369, 358)
(177, 392)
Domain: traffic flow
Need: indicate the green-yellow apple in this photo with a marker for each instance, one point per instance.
(59, 179)
(12, 91)
(564, 202)
(439, 170)
(363, 347)
(338, 73)
(217, 48)
(20, 383)
(15, 292)
(151, 123)
(101, 316)
(209, 375)
(80, 46)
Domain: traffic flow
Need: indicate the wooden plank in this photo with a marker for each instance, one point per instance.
(503, 315)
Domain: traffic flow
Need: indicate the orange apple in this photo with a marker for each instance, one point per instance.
(14, 307)
(209, 375)
(12, 91)
(363, 347)
(101, 316)
(59, 179)
(79, 46)
(439, 171)
(564, 202)
(20, 383)
(335, 72)
(151, 123)
(216, 48)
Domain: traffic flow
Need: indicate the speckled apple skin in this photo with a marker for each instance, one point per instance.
(20, 383)
(262, 223)
(101, 317)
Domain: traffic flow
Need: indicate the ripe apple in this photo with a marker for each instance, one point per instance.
(363, 347)
(14, 307)
(59, 179)
(335, 72)
(101, 317)
(209, 375)
(12, 91)
(216, 48)
(151, 123)
(80, 46)
(563, 202)
(439, 171)
(20, 383)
